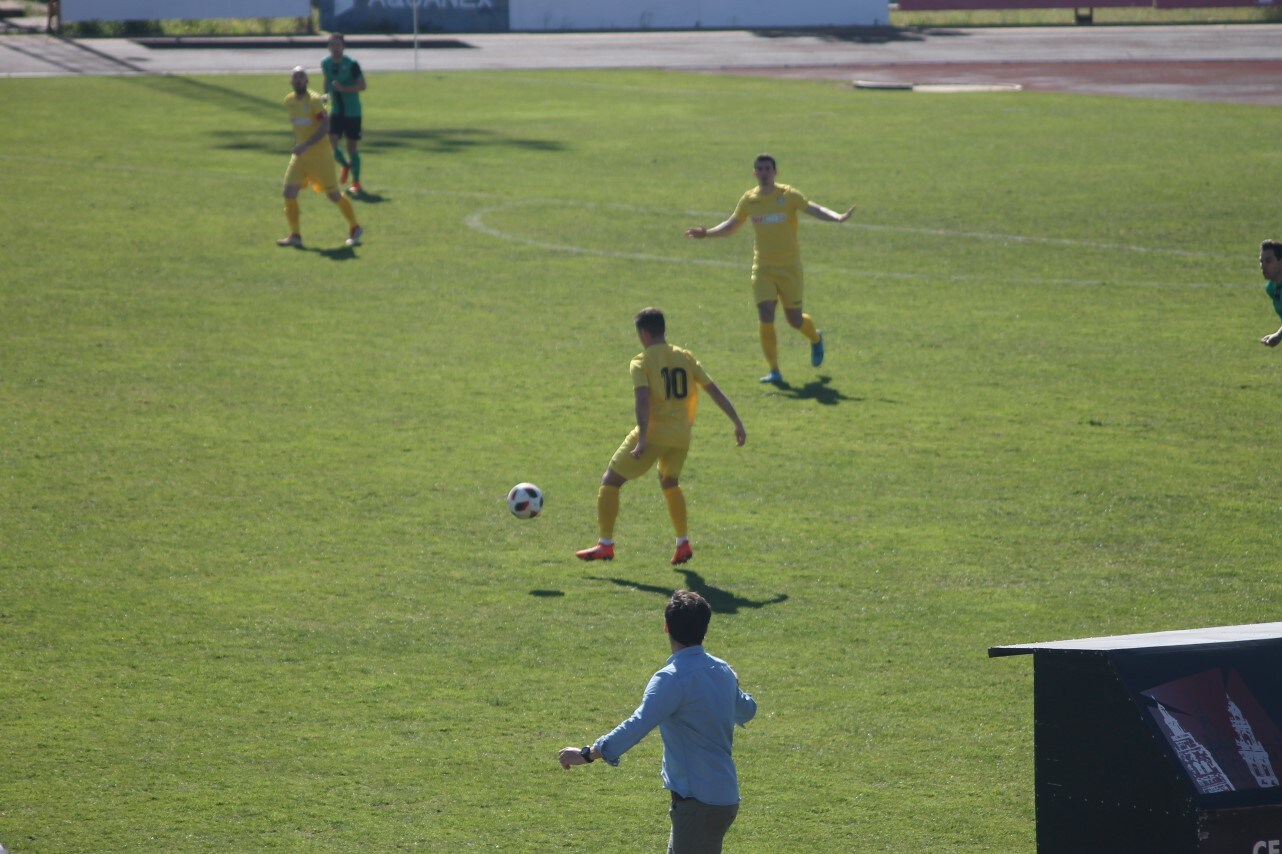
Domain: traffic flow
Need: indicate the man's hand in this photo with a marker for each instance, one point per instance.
(570, 756)
(636, 452)
(1272, 340)
(698, 232)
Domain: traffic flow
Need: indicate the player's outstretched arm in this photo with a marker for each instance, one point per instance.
(721, 229)
(1272, 340)
(720, 399)
(822, 213)
(571, 756)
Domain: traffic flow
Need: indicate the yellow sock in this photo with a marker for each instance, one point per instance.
(770, 345)
(807, 329)
(677, 509)
(349, 212)
(607, 510)
(292, 215)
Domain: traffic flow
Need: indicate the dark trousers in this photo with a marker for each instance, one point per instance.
(698, 828)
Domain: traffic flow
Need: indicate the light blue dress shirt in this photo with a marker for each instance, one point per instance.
(695, 701)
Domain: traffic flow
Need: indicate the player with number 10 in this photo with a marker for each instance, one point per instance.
(666, 382)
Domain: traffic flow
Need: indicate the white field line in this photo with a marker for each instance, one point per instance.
(476, 221)
(1022, 238)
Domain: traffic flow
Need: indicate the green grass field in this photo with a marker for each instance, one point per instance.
(259, 590)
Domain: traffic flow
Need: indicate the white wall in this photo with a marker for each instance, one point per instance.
(535, 15)
(158, 10)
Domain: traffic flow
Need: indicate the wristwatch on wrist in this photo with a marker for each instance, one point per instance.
(586, 753)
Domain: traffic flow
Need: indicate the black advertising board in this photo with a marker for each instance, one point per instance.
(1160, 743)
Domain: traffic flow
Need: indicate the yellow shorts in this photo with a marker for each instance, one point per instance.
(670, 459)
(315, 169)
(784, 284)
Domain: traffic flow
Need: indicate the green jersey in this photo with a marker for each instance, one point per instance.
(346, 71)
(1274, 290)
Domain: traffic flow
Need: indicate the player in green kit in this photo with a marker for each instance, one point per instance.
(1271, 268)
(344, 84)
(666, 383)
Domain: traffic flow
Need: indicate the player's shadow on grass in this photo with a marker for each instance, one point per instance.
(268, 139)
(454, 140)
(340, 253)
(722, 601)
(214, 96)
(818, 390)
(337, 253)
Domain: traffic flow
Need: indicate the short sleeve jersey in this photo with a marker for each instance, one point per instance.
(774, 218)
(673, 376)
(346, 71)
(1274, 290)
(304, 115)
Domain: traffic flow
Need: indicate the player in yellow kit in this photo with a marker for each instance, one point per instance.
(776, 263)
(666, 383)
(311, 162)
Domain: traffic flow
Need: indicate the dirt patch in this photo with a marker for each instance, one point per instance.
(1232, 81)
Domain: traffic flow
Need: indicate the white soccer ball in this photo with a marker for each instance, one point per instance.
(525, 500)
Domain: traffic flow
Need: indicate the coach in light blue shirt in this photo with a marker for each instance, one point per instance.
(695, 701)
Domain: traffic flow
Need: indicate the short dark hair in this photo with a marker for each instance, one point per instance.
(1273, 246)
(651, 320)
(767, 157)
(687, 617)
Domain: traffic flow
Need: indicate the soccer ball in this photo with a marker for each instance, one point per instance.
(525, 501)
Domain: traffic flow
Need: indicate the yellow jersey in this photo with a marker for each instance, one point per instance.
(774, 218)
(305, 114)
(673, 376)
